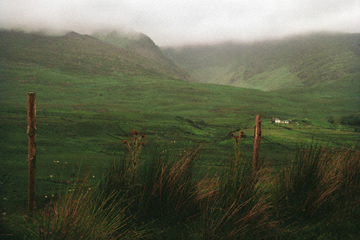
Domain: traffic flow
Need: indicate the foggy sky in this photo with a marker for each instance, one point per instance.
(173, 22)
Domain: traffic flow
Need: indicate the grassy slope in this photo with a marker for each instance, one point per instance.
(329, 60)
(91, 95)
(74, 53)
(143, 45)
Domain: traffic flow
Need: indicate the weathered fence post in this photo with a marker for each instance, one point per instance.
(31, 131)
(257, 138)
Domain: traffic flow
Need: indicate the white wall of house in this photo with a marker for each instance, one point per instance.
(277, 120)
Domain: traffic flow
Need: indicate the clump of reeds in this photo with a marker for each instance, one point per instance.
(82, 213)
(241, 210)
(306, 188)
(169, 191)
(347, 167)
(320, 188)
(161, 190)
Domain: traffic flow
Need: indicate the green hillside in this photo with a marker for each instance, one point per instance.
(329, 61)
(143, 45)
(75, 53)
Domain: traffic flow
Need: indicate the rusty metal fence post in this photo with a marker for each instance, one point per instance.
(257, 138)
(31, 131)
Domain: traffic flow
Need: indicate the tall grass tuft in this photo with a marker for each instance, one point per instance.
(160, 190)
(82, 213)
(318, 194)
(348, 197)
(307, 188)
(169, 192)
(241, 210)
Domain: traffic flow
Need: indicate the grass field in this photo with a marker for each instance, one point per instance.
(82, 121)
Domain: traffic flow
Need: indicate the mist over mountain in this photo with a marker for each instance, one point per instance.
(316, 60)
(324, 64)
(86, 54)
(143, 45)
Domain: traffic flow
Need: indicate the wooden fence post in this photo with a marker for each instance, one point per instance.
(31, 131)
(257, 138)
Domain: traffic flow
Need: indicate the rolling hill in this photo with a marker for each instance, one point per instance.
(143, 45)
(314, 76)
(78, 53)
(321, 61)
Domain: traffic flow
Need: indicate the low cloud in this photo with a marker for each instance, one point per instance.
(171, 23)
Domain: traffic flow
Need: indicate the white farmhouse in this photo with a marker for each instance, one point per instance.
(276, 120)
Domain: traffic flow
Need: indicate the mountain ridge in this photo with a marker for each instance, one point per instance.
(143, 45)
(324, 64)
(301, 61)
(75, 52)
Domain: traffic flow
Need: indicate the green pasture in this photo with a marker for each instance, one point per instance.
(82, 121)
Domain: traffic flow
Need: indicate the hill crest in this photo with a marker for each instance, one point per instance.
(74, 52)
(302, 61)
(144, 46)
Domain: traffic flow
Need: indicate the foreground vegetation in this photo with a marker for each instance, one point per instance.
(314, 197)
